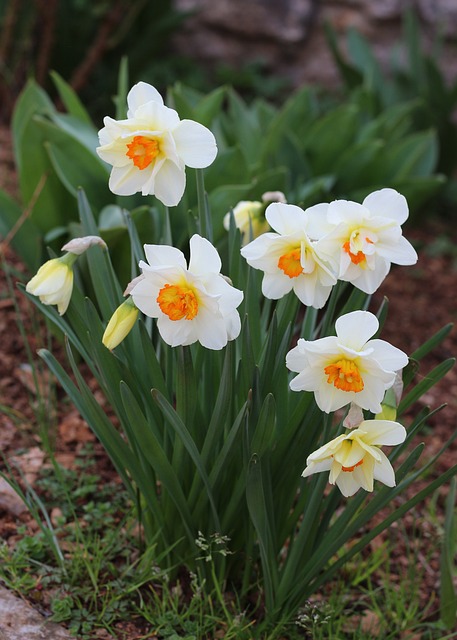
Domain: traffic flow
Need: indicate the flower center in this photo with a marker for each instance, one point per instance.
(142, 151)
(178, 302)
(354, 247)
(290, 263)
(357, 464)
(344, 375)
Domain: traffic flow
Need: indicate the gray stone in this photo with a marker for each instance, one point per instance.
(19, 621)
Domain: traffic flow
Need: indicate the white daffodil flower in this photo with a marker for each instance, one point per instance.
(355, 460)
(191, 303)
(53, 283)
(348, 367)
(367, 238)
(150, 149)
(289, 257)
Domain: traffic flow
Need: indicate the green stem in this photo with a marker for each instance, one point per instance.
(204, 217)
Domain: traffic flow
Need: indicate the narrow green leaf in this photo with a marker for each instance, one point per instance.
(158, 460)
(448, 595)
(257, 505)
(425, 384)
(70, 99)
(182, 432)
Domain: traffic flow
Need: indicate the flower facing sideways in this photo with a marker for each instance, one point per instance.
(355, 460)
(53, 283)
(191, 303)
(348, 367)
(150, 149)
(289, 258)
(367, 238)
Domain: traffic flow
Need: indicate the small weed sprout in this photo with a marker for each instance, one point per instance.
(314, 615)
(217, 543)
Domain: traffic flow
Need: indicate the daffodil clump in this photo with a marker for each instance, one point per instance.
(306, 251)
(239, 368)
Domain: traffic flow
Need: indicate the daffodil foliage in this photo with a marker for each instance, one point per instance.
(254, 397)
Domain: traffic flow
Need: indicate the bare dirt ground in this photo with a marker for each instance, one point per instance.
(422, 300)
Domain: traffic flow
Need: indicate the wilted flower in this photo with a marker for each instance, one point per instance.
(289, 258)
(151, 148)
(53, 283)
(80, 245)
(367, 238)
(355, 460)
(194, 303)
(347, 367)
(120, 324)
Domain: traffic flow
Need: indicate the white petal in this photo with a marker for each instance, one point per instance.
(141, 93)
(351, 457)
(356, 328)
(127, 180)
(228, 297)
(389, 357)
(155, 118)
(383, 432)
(204, 258)
(170, 183)
(159, 255)
(262, 248)
(233, 325)
(347, 484)
(346, 211)
(276, 285)
(402, 252)
(326, 450)
(317, 467)
(310, 291)
(383, 471)
(296, 359)
(317, 224)
(329, 398)
(367, 280)
(176, 332)
(364, 474)
(387, 203)
(286, 219)
(195, 144)
(211, 330)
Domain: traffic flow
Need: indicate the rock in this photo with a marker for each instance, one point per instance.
(19, 621)
(10, 501)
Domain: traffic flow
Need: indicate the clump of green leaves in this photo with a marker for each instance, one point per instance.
(414, 79)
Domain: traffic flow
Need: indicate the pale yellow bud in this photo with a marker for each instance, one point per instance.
(120, 324)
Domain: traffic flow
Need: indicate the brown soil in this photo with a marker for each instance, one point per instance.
(422, 300)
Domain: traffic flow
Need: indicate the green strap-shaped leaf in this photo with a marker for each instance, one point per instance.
(182, 432)
(448, 595)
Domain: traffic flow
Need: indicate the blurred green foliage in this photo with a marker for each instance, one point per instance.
(415, 75)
